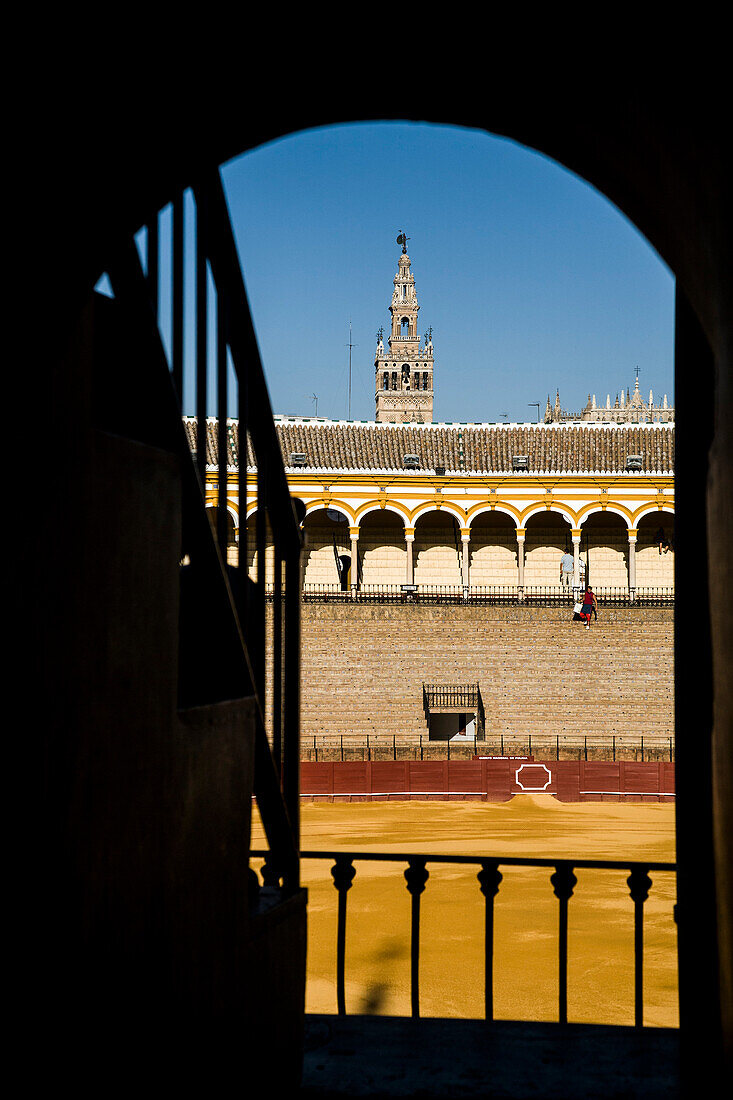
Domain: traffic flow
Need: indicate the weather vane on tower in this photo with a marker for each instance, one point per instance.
(402, 239)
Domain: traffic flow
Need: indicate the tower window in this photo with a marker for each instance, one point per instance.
(385, 381)
(425, 380)
(405, 327)
(394, 379)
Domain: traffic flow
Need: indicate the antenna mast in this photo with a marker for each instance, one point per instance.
(350, 346)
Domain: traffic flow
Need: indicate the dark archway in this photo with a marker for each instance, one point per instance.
(326, 549)
(655, 555)
(382, 549)
(661, 156)
(437, 551)
(546, 540)
(604, 547)
(493, 551)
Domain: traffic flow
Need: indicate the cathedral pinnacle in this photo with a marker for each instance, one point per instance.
(404, 370)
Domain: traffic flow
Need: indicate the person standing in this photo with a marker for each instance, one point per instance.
(590, 607)
(566, 570)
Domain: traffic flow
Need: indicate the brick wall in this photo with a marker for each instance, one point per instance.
(363, 666)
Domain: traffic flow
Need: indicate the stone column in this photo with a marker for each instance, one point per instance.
(354, 535)
(521, 532)
(465, 560)
(633, 532)
(303, 558)
(409, 540)
(575, 536)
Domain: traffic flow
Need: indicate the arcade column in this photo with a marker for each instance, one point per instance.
(354, 536)
(521, 533)
(465, 559)
(633, 532)
(409, 540)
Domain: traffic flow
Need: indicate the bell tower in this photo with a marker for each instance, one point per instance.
(404, 374)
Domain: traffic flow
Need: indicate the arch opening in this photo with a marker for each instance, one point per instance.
(437, 550)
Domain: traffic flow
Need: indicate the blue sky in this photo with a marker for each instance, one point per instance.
(530, 279)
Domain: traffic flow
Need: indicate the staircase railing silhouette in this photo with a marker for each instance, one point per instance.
(222, 646)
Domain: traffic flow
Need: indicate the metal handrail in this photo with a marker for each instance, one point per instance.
(563, 881)
(227, 317)
(544, 747)
(491, 595)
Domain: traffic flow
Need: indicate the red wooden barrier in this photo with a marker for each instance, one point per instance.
(490, 780)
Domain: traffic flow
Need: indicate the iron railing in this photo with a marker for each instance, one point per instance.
(489, 595)
(455, 698)
(542, 747)
(225, 370)
(563, 881)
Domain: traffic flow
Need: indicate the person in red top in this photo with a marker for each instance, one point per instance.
(590, 607)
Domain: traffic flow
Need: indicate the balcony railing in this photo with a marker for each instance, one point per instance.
(489, 595)
(390, 746)
(562, 880)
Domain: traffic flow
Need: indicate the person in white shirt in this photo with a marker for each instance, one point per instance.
(567, 566)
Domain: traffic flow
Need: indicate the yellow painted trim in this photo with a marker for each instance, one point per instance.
(443, 506)
(327, 501)
(491, 506)
(648, 509)
(385, 503)
(614, 506)
(541, 506)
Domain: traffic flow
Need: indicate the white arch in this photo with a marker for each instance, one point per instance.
(615, 509)
(319, 506)
(423, 510)
(491, 509)
(232, 512)
(379, 507)
(647, 511)
(558, 509)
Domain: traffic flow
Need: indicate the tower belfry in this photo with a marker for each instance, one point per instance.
(404, 373)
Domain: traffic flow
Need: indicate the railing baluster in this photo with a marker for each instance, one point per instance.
(564, 882)
(201, 341)
(639, 885)
(489, 878)
(416, 876)
(153, 262)
(222, 513)
(177, 296)
(343, 872)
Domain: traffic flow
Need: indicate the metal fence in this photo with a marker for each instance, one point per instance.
(490, 595)
(539, 746)
(563, 881)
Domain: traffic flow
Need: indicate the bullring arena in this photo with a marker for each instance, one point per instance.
(451, 703)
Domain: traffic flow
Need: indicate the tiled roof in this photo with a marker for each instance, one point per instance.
(460, 448)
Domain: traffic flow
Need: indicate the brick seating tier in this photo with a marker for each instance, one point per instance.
(540, 674)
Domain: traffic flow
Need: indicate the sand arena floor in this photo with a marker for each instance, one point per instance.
(600, 944)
